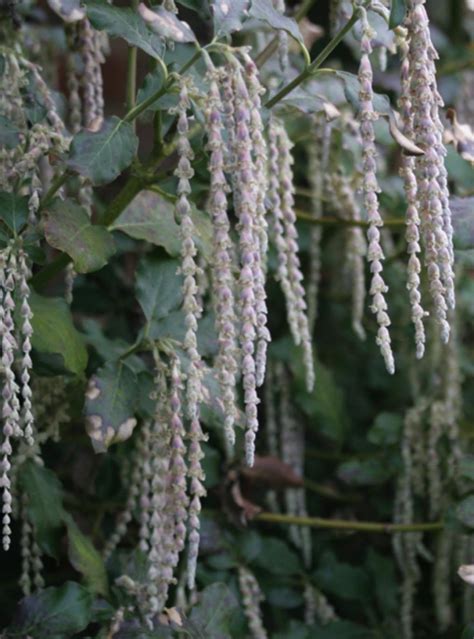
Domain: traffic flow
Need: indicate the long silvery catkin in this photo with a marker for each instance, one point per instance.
(407, 171)
(222, 276)
(342, 197)
(286, 239)
(251, 598)
(260, 165)
(318, 158)
(250, 263)
(367, 116)
(26, 331)
(283, 41)
(429, 168)
(189, 268)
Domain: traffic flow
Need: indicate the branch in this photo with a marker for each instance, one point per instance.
(317, 62)
(341, 524)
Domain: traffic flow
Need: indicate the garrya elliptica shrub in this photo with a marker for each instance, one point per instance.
(219, 218)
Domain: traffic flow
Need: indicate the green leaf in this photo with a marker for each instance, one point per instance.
(68, 10)
(110, 403)
(152, 83)
(150, 217)
(166, 24)
(125, 23)
(264, 11)
(45, 508)
(54, 334)
(53, 613)
(13, 210)
(463, 222)
(9, 133)
(102, 155)
(277, 558)
(468, 632)
(283, 597)
(86, 559)
(341, 579)
(228, 16)
(211, 617)
(366, 472)
(67, 227)
(326, 405)
(397, 13)
(466, 466)
(386, 429)
(158, 288)
(342, 630)
(465, 511)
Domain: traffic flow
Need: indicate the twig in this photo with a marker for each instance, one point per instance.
(341, 524)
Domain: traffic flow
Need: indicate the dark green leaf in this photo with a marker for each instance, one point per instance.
(102, 155)
(211, 617)
(397, 13)
(463, 222)
(152, 83)
(110, 403)
(13, 210)
(264, 11)
(45, 508)
(54, 613)
(342, 630)
(125, 23)
(386, 429)
(277, 558)
(468, 632)
(341, 579)
(54, 333)
(166, 24)
(284, 598)
(384, 577)
(366, 472)
(466, 466)
(86, 559)
(150, 217)
(68, 10)
(465, 511)
(158, 287)
(68, 228)
(9, 133)
(228, 16)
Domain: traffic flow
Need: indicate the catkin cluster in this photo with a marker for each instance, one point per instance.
(428, 215)
(15, 334)
(243, 164)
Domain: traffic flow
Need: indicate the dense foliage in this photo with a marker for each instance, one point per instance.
(236, 301)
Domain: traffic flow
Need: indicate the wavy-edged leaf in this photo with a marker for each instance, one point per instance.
(68, 228)
(86, 559)
(277, 558)
(158, 288)
(213, 614)
(123, 22)
(228, 15)
(397, 13)
(102, 155)
(151, 217)
(13, 210)
(54, 334)
(110, 403)
(44, 507)
(264, 11)
(166, 24)
(53, 613)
